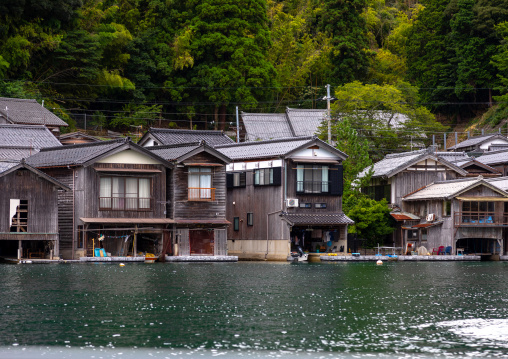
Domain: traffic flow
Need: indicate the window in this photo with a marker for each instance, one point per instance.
(424, 234)
(378, 193)
(312, 179)
(200, 184)
(320, 205)
(239, 179)
(447, 208)
(412, 234)
(250, 219)
(305, 205)
(125, 193)
(263, 177)
(18, 215)
(478, 212)
(236, 223)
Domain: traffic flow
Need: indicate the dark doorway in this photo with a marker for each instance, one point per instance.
(201, 242)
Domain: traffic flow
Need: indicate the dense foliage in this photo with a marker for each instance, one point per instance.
(128, 63)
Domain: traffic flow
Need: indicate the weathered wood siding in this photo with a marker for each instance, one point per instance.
(42, 197)
(87, 190)
(260, 201)
(333, 203)
(185, 209)
(65, 209)
(407, 182)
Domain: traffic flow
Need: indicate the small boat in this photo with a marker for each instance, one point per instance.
(298, 257)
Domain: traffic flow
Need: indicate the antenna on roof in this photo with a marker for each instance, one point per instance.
(42, 103)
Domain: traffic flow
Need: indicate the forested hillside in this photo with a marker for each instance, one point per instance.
(189, 63)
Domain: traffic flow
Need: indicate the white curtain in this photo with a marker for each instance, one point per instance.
(13, 210)
(131, 193)
(118, 192)
(105, 192)
(256, 177)
(299, 178)
(206, 186)
(193, 183)
(324, 178)
(144, 193)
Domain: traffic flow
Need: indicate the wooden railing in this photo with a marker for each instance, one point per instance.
(125, 203)
(312, 186)
(201, 194)
(480, 219)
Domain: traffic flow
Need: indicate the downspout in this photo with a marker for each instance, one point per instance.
(73, 212)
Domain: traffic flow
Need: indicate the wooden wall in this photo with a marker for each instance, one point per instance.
(185, 209)
(42, 201)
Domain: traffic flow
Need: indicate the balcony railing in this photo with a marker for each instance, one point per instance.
(126, 203)
(312, 186)
(201, 194)
(480, 219)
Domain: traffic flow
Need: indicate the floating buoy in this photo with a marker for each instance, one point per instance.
(379, 262)
(122, 265)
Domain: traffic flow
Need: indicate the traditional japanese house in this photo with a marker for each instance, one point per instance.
(117, 200)
(197, 198)
(29, 112)
(465, 214)
(28, 212)
(22, 141)
(496, 159)
(284, 194)
(480, 144)
(168, 136)
(401, 173)
(77, 138)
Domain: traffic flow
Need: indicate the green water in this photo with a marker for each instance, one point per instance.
(256, 309)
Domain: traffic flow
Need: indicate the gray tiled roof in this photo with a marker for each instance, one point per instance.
(447, 189)
(24, 111)
(476, 140)
(499, 182)
(16, 152)
(171, 153)
(454, 157)
(316, 219)
(262, 149)
(7, 165)
(493, 158)
(305, 122)
(72, 155)
(266, 126)
(396, 162)
(35, 136)
(168, 136)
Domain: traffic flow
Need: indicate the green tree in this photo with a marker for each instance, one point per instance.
(343, 22)
(372, 221)
(223, 52)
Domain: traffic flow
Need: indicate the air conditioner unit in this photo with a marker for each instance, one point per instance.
(292, 202)
(431, 217)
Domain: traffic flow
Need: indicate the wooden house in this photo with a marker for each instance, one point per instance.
(77, 138)
(465, 214)
(196, 198)
(496, 159)
(117, 200)
(29, 112)
(22, 141)
(284, 194)
(480, 144)
(28, 212)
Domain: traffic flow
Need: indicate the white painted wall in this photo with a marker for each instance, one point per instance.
(129, 157)
(497, 141)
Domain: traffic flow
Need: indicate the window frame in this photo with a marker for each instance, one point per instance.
(263, 177)
(318, 186)
(250, 219)
(204, 194)
(236, 224)
(123, 197)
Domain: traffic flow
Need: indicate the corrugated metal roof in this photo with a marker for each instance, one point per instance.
(25, 111)
(494, 157)
(316, 219)
(427, 225)
(305, 122)
(476, 140)
(446, 189)
(262, 149)
(404, 216)
(266, 126)
(202, 221)
(167, 136)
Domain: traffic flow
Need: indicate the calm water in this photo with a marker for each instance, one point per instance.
(254, 310)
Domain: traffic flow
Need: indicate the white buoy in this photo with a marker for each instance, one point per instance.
(122, 265)
(379, 262)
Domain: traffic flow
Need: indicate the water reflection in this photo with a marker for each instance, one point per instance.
(257, 309)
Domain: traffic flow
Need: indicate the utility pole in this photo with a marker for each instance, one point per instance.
(328, 114)
(237, 127)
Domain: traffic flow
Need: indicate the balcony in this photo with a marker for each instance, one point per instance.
(480, 219)
(125, 203)
(312, 186)
(201, 194)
